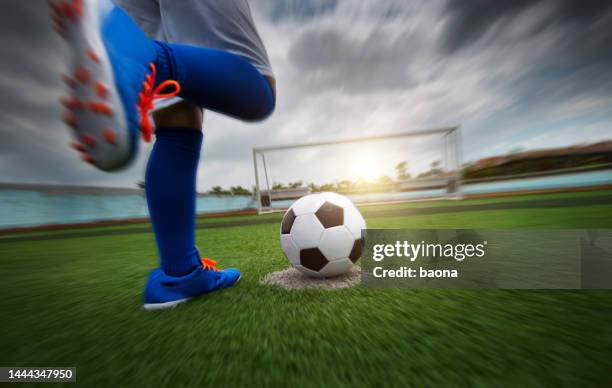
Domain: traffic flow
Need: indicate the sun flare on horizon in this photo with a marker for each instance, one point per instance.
(367, 167)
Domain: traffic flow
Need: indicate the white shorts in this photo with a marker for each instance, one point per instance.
(220, 24)
(226, 25)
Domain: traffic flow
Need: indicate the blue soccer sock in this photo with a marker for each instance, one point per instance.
(170, 187)
(216, 80)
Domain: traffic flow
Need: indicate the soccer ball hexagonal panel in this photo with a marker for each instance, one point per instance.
(287, 223)
(330, 215)
(307, 204)
(336, 267)
(337, 199)
(357, 250)
(313, 259)
(336, 243)
(306, 231)
(354, 221)
(291, 250)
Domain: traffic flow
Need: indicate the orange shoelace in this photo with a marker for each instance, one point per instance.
(209, 264)
(146, 99)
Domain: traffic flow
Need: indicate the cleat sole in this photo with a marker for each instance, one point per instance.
(93, 104)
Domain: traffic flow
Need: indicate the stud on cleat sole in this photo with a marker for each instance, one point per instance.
(70, 119)
(88, 140)
(101, 90)
(71, 103)
(109, 136)
(77, 146)
(92, 54)
(88, 158)
(69, 81)
(72, 9)
(83, 75)
(100, 107)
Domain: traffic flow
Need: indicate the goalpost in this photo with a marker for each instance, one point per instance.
(449, 179)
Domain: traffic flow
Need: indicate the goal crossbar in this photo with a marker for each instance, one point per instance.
(450, 138)
(433, 131)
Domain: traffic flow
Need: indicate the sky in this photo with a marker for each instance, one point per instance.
(520, 74)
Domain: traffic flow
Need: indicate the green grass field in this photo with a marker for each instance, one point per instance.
(76, 301)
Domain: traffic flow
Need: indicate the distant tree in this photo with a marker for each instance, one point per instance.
(296, 184)
(384, 180)
(278, 186)
(217, 190)
(344, 185)
(401, 169)
(239, 190)
(435, 168)
(313, 187)
(433, 171)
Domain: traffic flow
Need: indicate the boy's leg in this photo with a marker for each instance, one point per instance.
(211, 78)
(170, 187)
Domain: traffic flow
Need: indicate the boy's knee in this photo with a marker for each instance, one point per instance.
(263, 108)
(261, 111)
(182, 114)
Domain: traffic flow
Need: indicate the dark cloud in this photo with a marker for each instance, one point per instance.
(469, 20)
(328, 58)
(569, 60)
(332, 58)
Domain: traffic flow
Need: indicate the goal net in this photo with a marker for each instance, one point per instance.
(393, 167)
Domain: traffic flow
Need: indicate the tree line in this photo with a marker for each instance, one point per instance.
(382, 183)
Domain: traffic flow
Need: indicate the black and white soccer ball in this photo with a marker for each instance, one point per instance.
(323, 234)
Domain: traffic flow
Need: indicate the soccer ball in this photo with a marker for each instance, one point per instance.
(321, 234)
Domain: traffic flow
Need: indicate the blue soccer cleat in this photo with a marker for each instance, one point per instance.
(111, 80)
(163, 291)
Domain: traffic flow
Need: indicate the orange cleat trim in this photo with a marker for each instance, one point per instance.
(209, 264)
